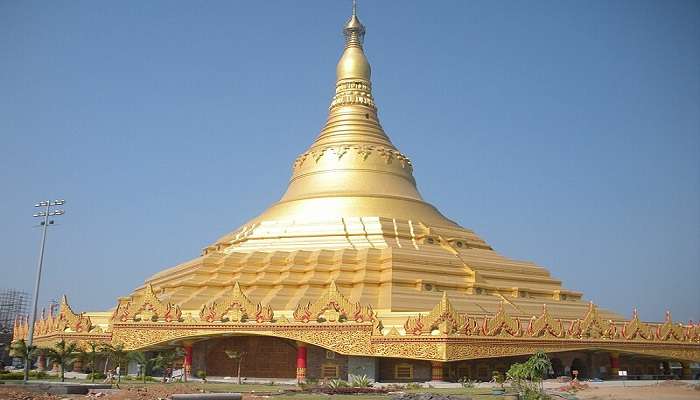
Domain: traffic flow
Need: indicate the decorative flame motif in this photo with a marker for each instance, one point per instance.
(669, 330)
(442, 317)
(333, 307)
(68, 319)
(545, 325)
(149, 308)
(592, 326)
(635, 328)
(236, 307)
(502, 324)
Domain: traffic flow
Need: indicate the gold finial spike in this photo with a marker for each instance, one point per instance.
(354, 30)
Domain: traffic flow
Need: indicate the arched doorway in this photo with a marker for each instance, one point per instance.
(265, 357)
(580, 366)
(557, 367)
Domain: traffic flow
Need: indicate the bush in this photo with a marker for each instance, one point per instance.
(38, 374)
(413, 386)
(12, 376)
(337, 383)
(201, 375)
(466, 382)
(97, 375)
(360, 381)
(527, 377)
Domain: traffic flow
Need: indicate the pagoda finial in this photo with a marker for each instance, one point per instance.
(354, 30)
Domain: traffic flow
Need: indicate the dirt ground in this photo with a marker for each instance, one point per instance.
(667, 391)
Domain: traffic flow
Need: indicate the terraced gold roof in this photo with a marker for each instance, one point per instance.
(352, 214)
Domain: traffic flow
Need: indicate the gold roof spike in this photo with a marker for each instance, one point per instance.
(352, 169)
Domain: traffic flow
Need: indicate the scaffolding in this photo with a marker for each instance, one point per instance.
(13, 303)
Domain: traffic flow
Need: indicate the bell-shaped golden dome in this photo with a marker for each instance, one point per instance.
(352, 169)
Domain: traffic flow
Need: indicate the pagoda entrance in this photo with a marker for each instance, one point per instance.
(578, 365)
(263, 357)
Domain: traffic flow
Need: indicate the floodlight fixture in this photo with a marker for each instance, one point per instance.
(46, 213)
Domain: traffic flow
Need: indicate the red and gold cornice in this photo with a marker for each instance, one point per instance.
(335, 323)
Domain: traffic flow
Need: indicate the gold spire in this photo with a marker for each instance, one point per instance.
(352, 169)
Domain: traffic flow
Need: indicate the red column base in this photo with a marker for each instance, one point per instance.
(436, 369)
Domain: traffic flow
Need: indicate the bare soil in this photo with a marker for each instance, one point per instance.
(667, 391)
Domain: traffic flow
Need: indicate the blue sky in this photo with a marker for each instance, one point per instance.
(566, 133)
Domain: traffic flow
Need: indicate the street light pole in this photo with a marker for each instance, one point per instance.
(47, 204)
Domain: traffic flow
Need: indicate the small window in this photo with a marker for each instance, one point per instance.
(403, 372)
(330, 371)
(459, 244)
(431, 240)
(330, 355)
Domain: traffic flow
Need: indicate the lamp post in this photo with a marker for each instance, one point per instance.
(45, 214)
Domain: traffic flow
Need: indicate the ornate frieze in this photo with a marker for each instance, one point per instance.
(636, 329)
(236, 307)
(362, 152)
(148, 308)
(332, 306)
(545, 325)
(502, 324)
(334, 323)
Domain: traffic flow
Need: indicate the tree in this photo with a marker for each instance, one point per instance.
(236, 355)
(20, 349)
(90, 353)
(146, 362)
(118, 355)
(527, 377)
(168, 359)
(63, 353)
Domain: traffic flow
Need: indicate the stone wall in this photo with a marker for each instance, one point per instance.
(359, 366)
(317, 357)
(421, 370)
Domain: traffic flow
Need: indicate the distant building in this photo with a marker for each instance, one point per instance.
(13, 303)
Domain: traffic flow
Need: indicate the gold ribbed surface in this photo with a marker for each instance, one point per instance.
(352, 214)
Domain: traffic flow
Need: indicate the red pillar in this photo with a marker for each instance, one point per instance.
(187, 364)
(437, 371)
(614, 364)
(301, 362)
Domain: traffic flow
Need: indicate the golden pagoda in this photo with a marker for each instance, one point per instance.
(352, 272)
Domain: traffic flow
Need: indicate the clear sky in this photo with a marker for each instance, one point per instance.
(563, 132)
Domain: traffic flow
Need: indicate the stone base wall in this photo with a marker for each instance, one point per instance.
(422, 370)
(363, 366)
(317, 358)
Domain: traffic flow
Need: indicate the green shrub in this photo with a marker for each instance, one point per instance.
(12, 376)
(337, 383)
(96, 375)
(38, 374)
(466, 382)
(413, 386)
(360, 381)
(202, 375)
